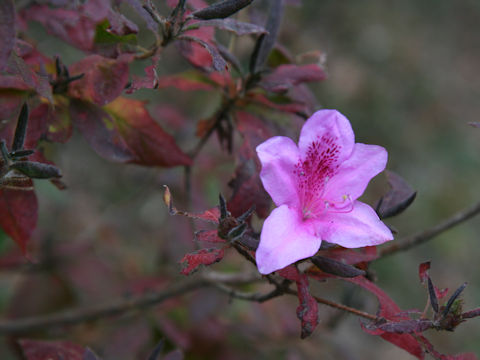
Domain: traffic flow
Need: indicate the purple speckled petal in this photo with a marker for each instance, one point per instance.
(354, 174)
(327, 126)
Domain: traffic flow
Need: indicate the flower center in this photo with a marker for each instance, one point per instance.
(314, 172)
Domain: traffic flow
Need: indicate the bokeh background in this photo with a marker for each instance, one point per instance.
(405, 74)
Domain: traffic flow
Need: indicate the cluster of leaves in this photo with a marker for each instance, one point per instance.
(260, 96)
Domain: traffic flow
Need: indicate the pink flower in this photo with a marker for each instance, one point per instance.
(316, 186)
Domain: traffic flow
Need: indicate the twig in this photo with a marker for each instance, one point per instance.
(281, 289)
(338, 306)
(257, 297)
(423, 236)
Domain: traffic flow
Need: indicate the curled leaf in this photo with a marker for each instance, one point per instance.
(395, 201)
(221, 9)
(335, 267)
(191, 262)
(219, 64)
(37, 170)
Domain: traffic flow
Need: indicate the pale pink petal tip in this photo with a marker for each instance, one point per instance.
(285, 239)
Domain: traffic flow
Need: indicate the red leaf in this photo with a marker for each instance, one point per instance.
(7, 30)
(191, 262)
(183, 83)
(246, 185)
(210, 236)
(285, 76)
(51, 350)
(57, 124)
(217, 62)
(307, 310)
(18, 214)
(294, 107)
(124, 131)
(194, 52)
(150, 81)
(423, 271)
(350, 256)
(72, 26)
(390, 311)
(104, 79)
(100, 131)
(429, 347)
(151, 145)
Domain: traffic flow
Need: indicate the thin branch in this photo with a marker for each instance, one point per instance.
(281, 289)
(424, 236)
(76, 316)
(257, 297)
(338, 306)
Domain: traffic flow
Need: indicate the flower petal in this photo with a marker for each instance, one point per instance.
(327, 125)
(354, 174)
(285, 238)
(278, 156)
(357, 228)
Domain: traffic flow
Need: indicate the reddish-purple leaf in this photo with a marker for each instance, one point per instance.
(397, 199)
(350, 256)
(406, 326)
(58, 127)
(246, 185)
(293, 107)
(7, 30)
(286, 76)
(221, 9)
(335, 267)
(423, 271)
(186, 82)
(19, 213)
(247, 190)
(390, 311)
(210, 236)
(237, 27)
(104, 79)
(150, 81)
(100, 131)
(124, 131)
(218, 62)
(72, 26)
(151, 145)
(307, 310)
(191, 262)
(429, 347)
(51, 350)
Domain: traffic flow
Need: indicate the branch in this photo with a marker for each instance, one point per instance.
(424, 236)
(281, 289)
(257, 297)
(76, 316)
